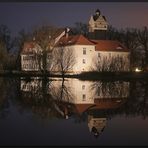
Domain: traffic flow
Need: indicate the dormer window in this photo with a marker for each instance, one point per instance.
(119, 47)
(69, 41)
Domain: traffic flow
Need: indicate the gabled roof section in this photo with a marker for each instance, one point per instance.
(110, 45)
(58, 32)
(31, 47)
(74, 40)
(57, 36)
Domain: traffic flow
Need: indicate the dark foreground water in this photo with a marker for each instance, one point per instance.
(72, 112)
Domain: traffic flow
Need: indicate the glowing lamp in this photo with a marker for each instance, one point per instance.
(138, 70)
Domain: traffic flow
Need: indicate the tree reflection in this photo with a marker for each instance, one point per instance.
(138, 102)
(6, 91)
(46, 97)
(113, 89)
(64, 98)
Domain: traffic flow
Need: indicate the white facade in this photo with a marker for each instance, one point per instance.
(86, 92)
(112, 61)
(86, 58)
(31, 57)
(79, 55)
(30, 62)
(83, 55)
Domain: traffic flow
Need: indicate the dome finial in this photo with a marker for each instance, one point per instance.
(97, 12)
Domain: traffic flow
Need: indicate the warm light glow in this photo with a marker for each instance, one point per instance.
(138, 70)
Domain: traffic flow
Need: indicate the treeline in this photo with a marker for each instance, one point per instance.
(7, 57)
(10, 47)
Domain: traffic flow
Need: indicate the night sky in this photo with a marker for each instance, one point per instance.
(28, 15)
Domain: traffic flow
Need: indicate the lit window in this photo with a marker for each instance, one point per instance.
(84, 61)
(83, 87)
(84, 50)
(84, 97)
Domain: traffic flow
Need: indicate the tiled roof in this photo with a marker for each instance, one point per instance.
(109, 45)
(74, 40)
(108, 103)
(30, 47)
(80, 108)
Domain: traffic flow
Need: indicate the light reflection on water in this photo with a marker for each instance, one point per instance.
(52, 112)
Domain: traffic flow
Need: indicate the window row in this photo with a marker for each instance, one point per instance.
(29, 58)
(30, 66)
(110, 55)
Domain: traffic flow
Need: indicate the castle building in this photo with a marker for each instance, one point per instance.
(76, 53)
(32, 53)
(97, 55)
(98, 26)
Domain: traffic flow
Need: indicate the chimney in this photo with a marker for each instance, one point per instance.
(33, 39)
(66, 32)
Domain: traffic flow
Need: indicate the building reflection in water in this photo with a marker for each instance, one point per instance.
(75, 97)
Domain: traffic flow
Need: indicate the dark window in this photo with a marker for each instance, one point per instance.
(84, 97)
(83, 87)
(84, 61)
(84, 50)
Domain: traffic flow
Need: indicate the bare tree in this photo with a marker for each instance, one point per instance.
(80, 28)
(5, 36)
(130, 40)
(110, 64)
(64, 59)
(143, 40)
(44, 37)
(110, 89)
(19, 41)
(3, 55)
(112, 33)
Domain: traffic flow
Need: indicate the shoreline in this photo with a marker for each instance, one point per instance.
(82, 76)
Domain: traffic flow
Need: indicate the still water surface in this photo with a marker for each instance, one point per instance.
(73, 112)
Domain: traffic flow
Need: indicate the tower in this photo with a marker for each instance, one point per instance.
(97, 26)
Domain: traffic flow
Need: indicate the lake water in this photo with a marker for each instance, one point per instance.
(51, 112)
